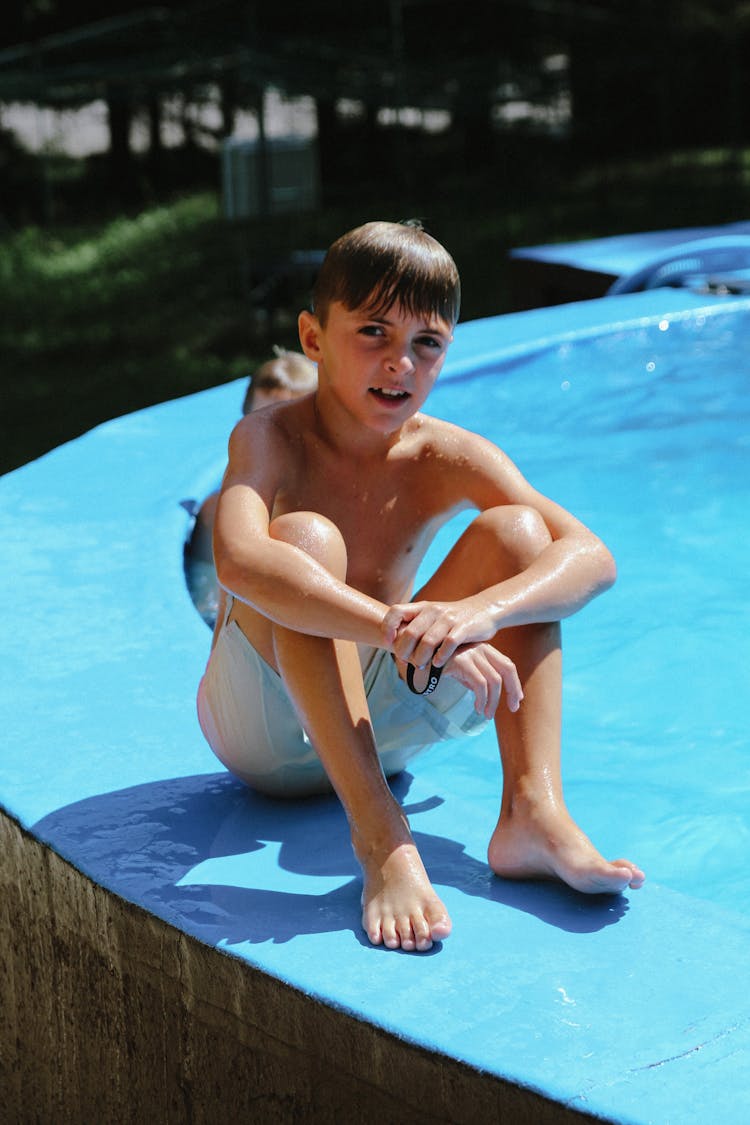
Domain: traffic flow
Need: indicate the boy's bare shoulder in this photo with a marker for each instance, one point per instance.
(281, 423)
(464, 467)
(265, 446)
(452, 443)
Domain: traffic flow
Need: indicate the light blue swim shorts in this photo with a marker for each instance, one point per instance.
(252, 728)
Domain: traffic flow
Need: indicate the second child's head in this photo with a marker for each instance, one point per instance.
(288, 375)
(380, 264)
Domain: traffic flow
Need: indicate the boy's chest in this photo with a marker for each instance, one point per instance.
(386, 521)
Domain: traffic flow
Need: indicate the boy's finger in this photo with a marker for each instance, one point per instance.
(394, 619)
(389, 626)
(413, 643)
(513, 689)
(403, 645)
(493, 698)
(446, 648)
(423, 653)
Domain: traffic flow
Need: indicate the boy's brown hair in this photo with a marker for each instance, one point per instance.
(381, 264)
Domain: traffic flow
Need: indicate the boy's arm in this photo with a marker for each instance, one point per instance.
(572, 569)
(279, 580)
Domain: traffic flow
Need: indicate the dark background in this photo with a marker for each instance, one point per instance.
(124, 283)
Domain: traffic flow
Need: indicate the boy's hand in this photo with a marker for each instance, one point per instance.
(431, 632)
(453, 635)
(487, 673)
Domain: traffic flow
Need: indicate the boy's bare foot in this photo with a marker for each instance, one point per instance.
(399, 907)
(544, 842)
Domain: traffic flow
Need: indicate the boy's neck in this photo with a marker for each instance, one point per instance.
(349, 439)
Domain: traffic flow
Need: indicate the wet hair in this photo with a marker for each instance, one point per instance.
(289, 371)
(381, 264)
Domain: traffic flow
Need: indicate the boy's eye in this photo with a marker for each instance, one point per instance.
(430, 341)
(371, 330)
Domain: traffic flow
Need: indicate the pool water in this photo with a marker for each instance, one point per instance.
(644, 434)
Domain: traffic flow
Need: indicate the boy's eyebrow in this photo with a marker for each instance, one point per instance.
(380, 318)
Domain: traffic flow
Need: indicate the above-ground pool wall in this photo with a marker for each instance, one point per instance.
(111, 1015)
(535, 283)
(579, 271)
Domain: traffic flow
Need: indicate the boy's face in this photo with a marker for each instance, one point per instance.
(381, 367)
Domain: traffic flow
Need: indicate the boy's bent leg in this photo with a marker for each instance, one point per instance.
(535, 836)
(324, 680)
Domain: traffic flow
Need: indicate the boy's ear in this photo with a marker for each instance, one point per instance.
(309, 332)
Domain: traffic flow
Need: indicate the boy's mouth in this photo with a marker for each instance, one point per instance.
(388, 394)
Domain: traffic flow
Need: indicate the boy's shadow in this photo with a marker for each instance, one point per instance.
(230, 866)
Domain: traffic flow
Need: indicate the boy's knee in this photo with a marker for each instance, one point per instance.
(314, 534)
(519, 531)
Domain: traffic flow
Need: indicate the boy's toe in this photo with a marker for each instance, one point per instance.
(391, 936)
(422, 934)
(637, 877)
(438, 922)
(406, 934)
(372, 928)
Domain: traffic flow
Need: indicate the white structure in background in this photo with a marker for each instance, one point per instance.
(269, 176)
(84, 131)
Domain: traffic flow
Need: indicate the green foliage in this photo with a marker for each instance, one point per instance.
(108, 316)
(98, 323)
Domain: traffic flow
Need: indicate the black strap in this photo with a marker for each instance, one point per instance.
(432, 680)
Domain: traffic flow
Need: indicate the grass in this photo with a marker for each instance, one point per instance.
(101, 322)
(102, 318)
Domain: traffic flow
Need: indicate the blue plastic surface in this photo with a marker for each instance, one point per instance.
(625, 254)
(633, 1007)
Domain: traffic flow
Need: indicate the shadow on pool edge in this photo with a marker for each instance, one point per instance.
(144, 842)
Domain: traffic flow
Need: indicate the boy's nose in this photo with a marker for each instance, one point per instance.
(399, 363)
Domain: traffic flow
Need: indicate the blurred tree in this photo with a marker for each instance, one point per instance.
(645, 78)
(641, 77)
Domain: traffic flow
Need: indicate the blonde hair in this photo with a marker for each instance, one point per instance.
(289, 371)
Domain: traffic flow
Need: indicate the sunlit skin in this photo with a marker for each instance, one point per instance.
(202, 537)
(327, 508)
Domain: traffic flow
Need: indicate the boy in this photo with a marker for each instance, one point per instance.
(326, 510)
(288, 375)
